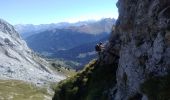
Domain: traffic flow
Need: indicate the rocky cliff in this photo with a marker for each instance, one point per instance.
(17, 61)
(139, 49)
(144, 49)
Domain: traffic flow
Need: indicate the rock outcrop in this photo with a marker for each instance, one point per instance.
(17, 61)
(142, 43)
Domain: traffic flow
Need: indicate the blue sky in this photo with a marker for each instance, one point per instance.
(54, 11)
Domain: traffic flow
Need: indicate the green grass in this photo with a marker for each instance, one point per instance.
(19, 90)
(92, 83)
(63, 70)
(157, 88)
(67, 72)
(61, 67)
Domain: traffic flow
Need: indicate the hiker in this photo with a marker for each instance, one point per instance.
(99, 48)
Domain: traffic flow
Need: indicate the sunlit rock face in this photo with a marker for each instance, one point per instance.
(141, 42)
(17, 61)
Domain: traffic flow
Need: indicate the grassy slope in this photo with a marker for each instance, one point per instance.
(19, 90)
(93, 83)
(62, 68)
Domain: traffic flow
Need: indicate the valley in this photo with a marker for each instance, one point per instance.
(71, 42)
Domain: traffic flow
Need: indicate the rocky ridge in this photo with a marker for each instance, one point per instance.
(17, 61)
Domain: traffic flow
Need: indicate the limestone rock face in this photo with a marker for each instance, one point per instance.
(17, 61)
(141, 42)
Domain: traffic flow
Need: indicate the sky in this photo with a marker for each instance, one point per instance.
(55, 11)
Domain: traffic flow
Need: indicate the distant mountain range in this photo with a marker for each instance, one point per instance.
(68, 41)
(27, 30)
(98, 27)
(55, 40)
